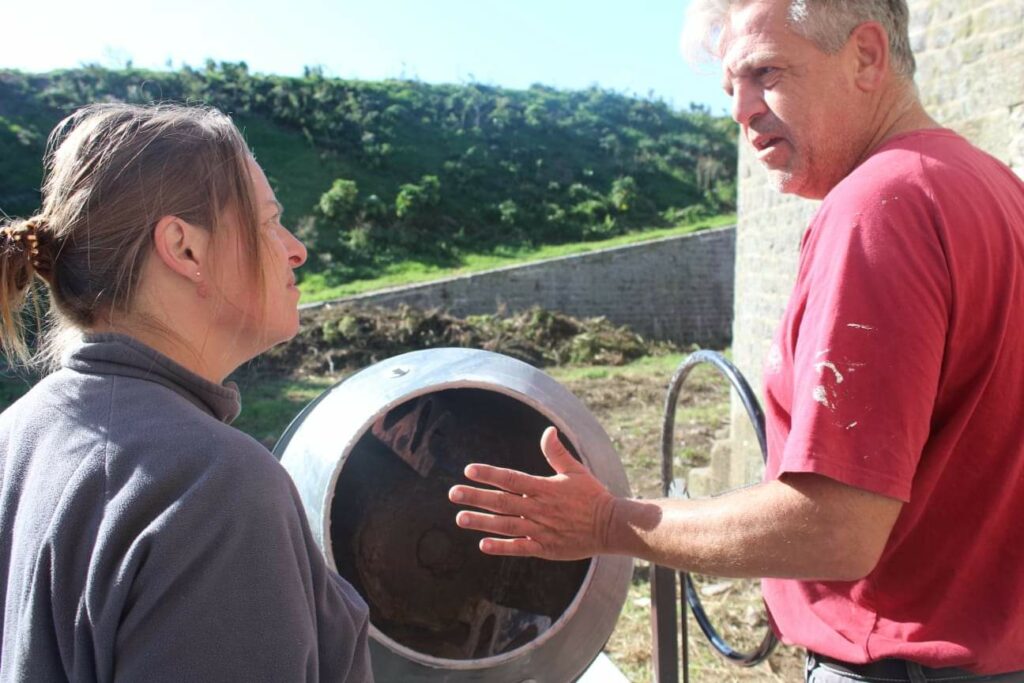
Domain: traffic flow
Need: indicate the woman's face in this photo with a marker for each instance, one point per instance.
(270, 317)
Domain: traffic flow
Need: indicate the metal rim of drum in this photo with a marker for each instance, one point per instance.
(754, 412)
(576, 428)
(404, 650)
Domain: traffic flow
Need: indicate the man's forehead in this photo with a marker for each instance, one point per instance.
(753, 31)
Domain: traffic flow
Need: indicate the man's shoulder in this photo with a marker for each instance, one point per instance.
(897, 166)
(904, 180)
(926, 164)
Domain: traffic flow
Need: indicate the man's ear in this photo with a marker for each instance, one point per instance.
(181, 246)
(870, 45)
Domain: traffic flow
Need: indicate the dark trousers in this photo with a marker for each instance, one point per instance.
(822, 669)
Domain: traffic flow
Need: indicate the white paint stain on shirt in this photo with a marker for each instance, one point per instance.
(852, 367)
(774, 359)
(831, 366)
(851, 425)
(820, 395)
(859, 326)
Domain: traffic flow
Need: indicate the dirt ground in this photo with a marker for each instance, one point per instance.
(340, 337)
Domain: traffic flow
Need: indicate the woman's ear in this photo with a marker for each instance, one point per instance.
(181, 246)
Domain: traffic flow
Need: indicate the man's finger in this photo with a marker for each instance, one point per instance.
(505, 479)
(557, 455)
(496, 524)
(494, 501)
(514, 547)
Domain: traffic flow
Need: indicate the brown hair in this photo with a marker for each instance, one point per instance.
(112, 171)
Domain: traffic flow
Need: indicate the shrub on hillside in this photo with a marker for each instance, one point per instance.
(450, 169)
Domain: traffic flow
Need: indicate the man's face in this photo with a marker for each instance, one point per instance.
(796, 105)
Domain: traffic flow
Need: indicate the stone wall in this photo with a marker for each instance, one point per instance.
(678, 289)
(970, 57)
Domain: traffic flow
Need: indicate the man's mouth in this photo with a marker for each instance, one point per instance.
(763, 142)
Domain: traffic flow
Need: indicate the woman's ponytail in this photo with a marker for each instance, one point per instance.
(24, 253)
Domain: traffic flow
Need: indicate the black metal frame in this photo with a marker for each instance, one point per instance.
(663, 580)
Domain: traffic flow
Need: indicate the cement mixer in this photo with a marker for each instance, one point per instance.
(373, 459)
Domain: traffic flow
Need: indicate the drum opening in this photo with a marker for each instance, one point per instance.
(394, 536)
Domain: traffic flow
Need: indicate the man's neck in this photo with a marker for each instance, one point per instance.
(898, 113)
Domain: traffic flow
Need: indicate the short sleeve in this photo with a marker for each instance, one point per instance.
(867, 346)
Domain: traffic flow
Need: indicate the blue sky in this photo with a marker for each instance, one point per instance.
(630, 47)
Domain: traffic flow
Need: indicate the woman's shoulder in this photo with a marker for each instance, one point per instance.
(152, 432)
(148, 441)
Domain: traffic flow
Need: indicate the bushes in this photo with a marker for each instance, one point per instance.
(415, 202)
(341, 202)
(411, 170)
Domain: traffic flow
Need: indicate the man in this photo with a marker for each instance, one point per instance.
(891, 518)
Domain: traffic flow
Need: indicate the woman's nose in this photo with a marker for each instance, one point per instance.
(296, 251)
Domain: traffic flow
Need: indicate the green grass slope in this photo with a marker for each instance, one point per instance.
(379, 174)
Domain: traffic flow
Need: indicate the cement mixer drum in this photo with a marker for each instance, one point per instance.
(373, 458)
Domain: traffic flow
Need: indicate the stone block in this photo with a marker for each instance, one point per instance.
(996, 16)
(969, 51)
(921, 17)
(700, 482)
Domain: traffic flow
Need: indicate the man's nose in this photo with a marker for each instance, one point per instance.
(747, 102)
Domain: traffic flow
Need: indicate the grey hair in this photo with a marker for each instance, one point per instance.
(827, 23)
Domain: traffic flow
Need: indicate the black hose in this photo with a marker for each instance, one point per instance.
(753, 408)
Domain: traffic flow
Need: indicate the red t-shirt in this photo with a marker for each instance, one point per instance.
(899, 368)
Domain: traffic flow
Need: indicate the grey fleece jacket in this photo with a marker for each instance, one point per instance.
(143, 539)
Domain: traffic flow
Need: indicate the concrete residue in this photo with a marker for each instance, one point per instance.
(774, 363)
(820, 395)
(831, 366)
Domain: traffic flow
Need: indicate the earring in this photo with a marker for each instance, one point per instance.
(201, 289)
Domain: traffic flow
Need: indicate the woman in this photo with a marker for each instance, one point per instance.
(141, 537)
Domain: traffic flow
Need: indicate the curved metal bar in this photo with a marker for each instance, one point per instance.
(756, 416)
(751, 658)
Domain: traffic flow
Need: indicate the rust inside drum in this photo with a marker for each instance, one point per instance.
(394, 537)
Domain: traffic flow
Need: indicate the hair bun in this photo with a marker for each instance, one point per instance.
(28, 241)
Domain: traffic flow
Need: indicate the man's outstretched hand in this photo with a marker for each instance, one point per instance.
(567, 516)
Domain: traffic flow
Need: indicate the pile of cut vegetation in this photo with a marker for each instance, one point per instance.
(342, 337)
